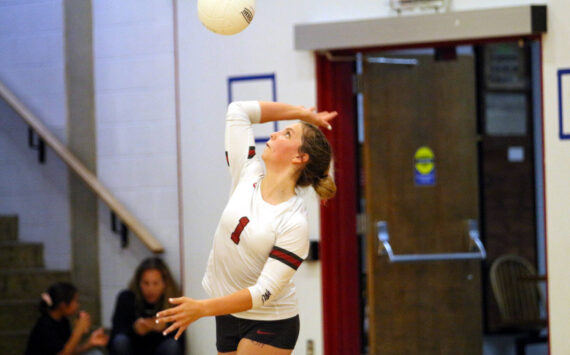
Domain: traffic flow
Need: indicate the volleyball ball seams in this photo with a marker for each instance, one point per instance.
(226, 17)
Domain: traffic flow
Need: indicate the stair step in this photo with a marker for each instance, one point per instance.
(15, 255)
(18, 315)
(8, 228)
(28, 283)
(13, 343)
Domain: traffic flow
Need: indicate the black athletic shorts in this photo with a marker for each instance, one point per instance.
(278, 333)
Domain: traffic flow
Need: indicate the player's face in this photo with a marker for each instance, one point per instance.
(283, 146)
(152, 285)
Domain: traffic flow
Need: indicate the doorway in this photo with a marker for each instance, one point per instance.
(444, 166)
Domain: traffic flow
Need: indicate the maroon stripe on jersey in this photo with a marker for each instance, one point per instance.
(286, 257)
(251, 152)
(227, 159)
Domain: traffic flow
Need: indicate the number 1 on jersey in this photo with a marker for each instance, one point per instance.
(237, 232)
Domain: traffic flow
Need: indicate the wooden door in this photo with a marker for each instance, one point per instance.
(429, 307)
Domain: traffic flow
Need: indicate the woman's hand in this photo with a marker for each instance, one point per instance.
(280, 111)
(98, 338)
(143, 325)
(83, 322)
(187, 311)
(157, 327)
(319, 119)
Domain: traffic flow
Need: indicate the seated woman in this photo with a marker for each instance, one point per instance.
(52, 334)
(134, 328)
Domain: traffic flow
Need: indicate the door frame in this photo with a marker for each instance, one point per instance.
(340, 245)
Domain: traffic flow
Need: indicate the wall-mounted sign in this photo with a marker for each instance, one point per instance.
(424, 167)
(438, 5)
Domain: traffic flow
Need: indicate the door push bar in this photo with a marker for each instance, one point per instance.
(385, 249)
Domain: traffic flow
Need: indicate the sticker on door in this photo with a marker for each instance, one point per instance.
(424, 167)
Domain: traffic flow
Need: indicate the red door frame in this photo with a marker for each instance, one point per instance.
(339, 247)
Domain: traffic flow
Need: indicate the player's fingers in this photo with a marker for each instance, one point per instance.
(180, 331)
(167, 319)
(177, 300)
(168, 312)
(172, 327)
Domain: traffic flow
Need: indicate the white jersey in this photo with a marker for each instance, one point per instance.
(257, 245)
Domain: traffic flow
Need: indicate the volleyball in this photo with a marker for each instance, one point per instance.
(226, 17)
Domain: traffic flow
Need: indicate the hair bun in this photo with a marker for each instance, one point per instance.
(325, 188)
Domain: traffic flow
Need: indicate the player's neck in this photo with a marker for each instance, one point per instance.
(277, 188)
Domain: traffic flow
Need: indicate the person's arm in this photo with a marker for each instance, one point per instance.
(189, 310)
(124, 314)
(280, 111)
(239, 139)
(97, 338)
(81, 327)
(286, 256)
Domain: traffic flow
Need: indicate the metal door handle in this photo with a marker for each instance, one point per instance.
(385, 249)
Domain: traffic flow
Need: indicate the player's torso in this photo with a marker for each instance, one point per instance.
(246, 233)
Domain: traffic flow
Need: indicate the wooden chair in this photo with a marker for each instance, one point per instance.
(519, 297)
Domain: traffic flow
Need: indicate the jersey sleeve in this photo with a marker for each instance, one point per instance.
(240, 141)
(289, 251)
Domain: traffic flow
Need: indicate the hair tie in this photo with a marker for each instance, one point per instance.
(324, 176)
(47, 299)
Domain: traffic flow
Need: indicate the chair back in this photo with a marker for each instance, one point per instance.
(518, 295)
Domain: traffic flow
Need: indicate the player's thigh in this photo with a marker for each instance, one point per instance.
(248, 347)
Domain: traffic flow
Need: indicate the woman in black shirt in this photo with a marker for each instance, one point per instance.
(134, 324)
(52, 333)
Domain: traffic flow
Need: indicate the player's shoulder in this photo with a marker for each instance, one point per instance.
(296, 215)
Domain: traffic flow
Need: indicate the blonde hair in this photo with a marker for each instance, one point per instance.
(316, 172)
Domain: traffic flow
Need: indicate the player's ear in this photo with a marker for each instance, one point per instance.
(301, 158)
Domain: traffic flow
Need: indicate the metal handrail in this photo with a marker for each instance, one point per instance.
(87, 176)
(385, 249)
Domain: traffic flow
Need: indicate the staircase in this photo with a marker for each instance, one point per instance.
(22, 279)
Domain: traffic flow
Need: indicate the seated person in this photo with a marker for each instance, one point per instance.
(134, 328)
(52, 334)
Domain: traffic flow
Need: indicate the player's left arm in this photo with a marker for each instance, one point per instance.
(287, 255)
(284, 259)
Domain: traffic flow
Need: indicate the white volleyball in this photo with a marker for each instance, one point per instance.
(226, 17)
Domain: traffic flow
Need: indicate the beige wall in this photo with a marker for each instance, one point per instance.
(557, 176)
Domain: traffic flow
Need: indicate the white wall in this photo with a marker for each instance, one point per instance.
(556, 56)
(32, 67)
(136, 132)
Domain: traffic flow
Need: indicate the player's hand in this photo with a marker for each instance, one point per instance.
(187, 311)
(320, 119)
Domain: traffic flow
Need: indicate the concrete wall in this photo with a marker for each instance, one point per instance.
(136, 132)
(32, 66)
